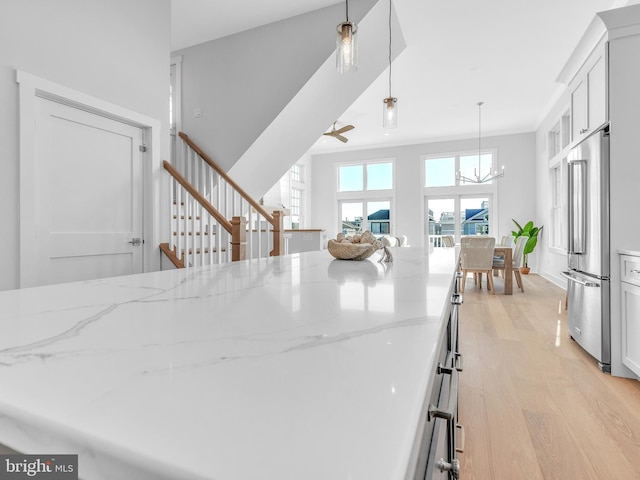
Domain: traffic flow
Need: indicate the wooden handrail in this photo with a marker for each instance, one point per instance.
(226, 177)
(226, 224)
(171, 255)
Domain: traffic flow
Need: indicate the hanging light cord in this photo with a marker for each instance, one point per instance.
(347, 2)
(479, 130)
(389, 48)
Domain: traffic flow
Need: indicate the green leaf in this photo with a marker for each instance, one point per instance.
(517, 225)
(530, 245)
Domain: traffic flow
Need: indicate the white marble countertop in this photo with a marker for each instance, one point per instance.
(288, 368)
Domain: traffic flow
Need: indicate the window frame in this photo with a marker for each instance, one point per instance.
(365, 196)
(456, 156)
(461, 190)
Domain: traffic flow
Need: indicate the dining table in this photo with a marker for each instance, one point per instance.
(507, 253)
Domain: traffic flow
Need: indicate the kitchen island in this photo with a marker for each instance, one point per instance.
(299, 366)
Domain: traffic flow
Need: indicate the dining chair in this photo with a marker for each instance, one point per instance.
(476, 256)
(518, 250)
(505, 241)
(448, 241)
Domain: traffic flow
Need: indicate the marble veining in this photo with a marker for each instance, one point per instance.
(292, 367)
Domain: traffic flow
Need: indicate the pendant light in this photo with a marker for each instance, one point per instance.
(389, 106)
(477, 171)
(347, 45)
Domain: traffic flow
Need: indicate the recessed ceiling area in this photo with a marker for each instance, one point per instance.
(507, 54)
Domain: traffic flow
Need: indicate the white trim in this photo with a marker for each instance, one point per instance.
(177, 61)
(30, 87)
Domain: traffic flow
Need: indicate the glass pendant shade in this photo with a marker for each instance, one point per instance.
(390, 112)
(347, 47)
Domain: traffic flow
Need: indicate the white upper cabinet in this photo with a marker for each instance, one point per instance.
(589, 95)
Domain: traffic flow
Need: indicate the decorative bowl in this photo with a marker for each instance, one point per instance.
(350, 251)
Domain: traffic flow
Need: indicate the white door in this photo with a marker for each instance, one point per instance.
(88, 205)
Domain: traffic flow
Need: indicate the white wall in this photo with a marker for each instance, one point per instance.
(515, 193)
(115, 50)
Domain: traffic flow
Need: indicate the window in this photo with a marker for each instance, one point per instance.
(296, 174)
(379, 176)
(351, 178)
(554, 141)
(356, 178)
(470, 167)
(296, 199)
(556, 206)
(364, 195)
(358, 216)
(441, 171)
(456, 208)
(457, 215)
(296, 196)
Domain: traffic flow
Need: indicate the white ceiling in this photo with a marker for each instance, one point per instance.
(506, 53)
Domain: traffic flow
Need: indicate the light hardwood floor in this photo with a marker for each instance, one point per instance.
(533, 404)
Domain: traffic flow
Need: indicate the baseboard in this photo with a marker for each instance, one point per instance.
(555, 278)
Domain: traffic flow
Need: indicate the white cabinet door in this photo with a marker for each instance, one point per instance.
(579, 114)
(597, 95)
(589, 102)
(631, 326)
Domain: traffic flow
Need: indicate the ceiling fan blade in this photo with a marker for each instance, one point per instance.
(346, 128)
(341, 138)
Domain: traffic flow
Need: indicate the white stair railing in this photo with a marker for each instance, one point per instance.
(203, 202)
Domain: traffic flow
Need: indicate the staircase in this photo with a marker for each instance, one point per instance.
(213, 220)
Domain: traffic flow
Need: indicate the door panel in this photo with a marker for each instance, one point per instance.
(89, 196)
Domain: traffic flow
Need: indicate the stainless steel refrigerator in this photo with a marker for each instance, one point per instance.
(589, 318)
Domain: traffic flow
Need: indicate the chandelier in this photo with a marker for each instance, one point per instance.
(477, 172)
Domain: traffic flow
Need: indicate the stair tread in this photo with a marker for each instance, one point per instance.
(191, 233)
(206, 250)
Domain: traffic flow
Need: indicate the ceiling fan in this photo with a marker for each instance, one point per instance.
(338, 133)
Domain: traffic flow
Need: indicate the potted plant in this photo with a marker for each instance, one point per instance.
(528, 231)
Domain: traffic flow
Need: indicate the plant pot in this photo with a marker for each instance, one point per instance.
(525, 270)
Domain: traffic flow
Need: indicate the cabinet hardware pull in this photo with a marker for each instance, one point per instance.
(460, 449)
(458, 361)
(448, 414)
(442, 369)
(634, 271)
(453, 467)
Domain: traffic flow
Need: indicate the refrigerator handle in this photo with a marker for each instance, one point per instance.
(577, 212)
(571, 278)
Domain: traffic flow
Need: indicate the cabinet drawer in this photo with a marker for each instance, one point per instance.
(631, 327)
(630, 269)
